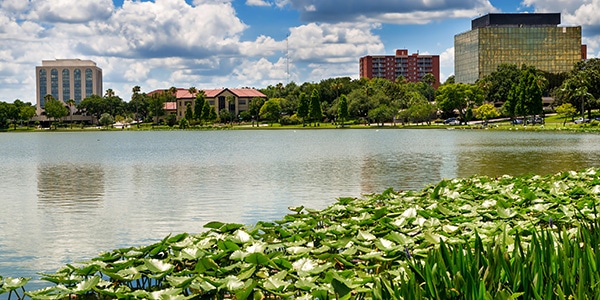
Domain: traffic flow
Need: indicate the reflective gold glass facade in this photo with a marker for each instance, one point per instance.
(479, 52)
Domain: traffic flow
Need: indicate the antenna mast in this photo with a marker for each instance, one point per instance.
(287, 57)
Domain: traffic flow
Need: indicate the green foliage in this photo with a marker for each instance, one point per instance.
(199, 107)
(343, 112)
(290, 120)
(171, 120)
(486, 111)
(254, 108)
(528, 237)
(303, 106)
(106, 120)
(458, 97)
(566, 110)
(55, 110)
(315, 112)
(271, 110)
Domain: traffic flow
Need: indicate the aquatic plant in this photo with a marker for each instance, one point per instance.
(498, 238)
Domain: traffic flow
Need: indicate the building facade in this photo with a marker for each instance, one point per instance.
(234, 100)
(67, 79)
(530, 39)
(412, 67)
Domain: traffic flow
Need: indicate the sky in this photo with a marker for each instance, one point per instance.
(157, 44)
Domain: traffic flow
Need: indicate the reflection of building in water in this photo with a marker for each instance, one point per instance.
(70, 186)
(401, 172)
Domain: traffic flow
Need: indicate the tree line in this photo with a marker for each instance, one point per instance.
(510, 91)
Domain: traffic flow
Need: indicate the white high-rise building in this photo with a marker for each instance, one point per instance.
(67, 79)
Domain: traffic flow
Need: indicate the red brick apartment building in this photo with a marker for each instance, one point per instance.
(412, 67)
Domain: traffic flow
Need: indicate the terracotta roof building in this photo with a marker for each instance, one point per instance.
(217, 98)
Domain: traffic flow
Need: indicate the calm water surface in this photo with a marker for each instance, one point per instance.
(65, 197)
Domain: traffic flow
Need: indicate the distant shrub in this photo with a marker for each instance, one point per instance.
(290, 120)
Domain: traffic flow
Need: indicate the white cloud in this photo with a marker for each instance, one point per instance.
(70, 11)
(387, 11)
(332, 42)
(257, 3)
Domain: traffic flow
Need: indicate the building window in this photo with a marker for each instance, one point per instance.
(221, 102)
(66, 85)
(54, 83)
(242, 102)
(43, 86)
(88, 83)
(211, 102)
(77, 85)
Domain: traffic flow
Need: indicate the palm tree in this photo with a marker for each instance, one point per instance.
(71, 103)
(109, 93)
(136, 92)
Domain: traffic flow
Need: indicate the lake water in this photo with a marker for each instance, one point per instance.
(66, 196)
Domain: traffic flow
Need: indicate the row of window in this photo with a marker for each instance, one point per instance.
(66, 84)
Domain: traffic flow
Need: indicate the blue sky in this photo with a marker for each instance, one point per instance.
(241, 43)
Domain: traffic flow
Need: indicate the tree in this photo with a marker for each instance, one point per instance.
(254, 109)
(315, 113)
(381, 114)
(343, 109)
(485, 112)
(303, 107)
(224, 115)
(458, 97)
(567, 110)
(271, 110)
(575, 90)
(428, 79)
(71, 104)
(156, 105)
(171, 120)
(498, 84)
(189, 113)
(135, 101)
(27, 112)
(199, 106)
(12, 112)
(93, 105)
(525, 98)
(230, 107)
(206, 112)
(55, 109)
(106, 120)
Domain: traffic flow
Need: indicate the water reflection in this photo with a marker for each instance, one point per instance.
(103, 190)
(69, 187)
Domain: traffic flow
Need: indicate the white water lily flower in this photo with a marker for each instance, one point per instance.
(399, 222)
(449, 228)
(488, 203)
(233, 283)
(558, 187)
(304, 265)
(242, 236)
(386, 243)
(419, 221)
(409, 213)
(257, 247)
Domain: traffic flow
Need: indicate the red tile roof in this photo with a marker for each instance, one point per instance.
(170, 106)
(244, 93)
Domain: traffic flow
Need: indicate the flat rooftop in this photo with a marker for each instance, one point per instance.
(517, 20)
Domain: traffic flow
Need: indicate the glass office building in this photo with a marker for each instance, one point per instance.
(530, 39)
